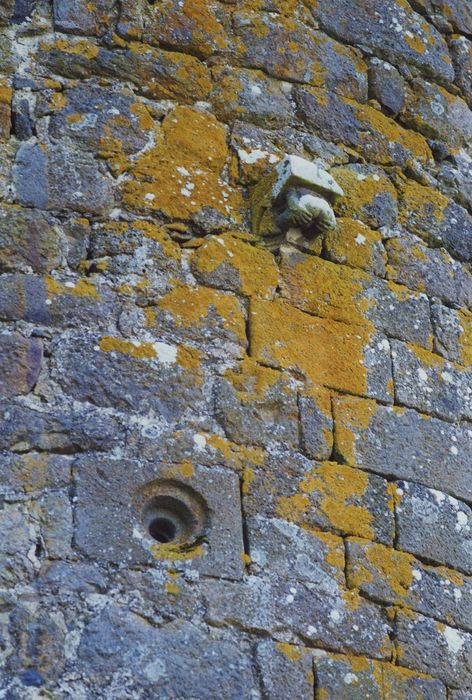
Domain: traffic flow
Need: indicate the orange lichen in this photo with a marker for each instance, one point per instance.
(360, 191)
(290, 651)
(255, 268)
(80, 47)
(354, 244)
(390, 566)
(170, 552)
(141, 350)
(80, 288)
(352, 417)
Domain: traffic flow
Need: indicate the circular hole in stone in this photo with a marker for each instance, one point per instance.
(169, 520)
(162, 529)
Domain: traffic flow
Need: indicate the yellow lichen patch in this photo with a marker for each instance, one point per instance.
(325, 289)
(199, 12)
(248, 477)
(79, 47)
(428, 359)
(252, 381)
(387, 132)
(335, 551)
(360, 190)
(415, 42)
(255, 268)
(194, 306)
(80, 288)
(286, 337)
(236, 456)
(140, 350)
(390, 566)
(170, 552)
(181, 173)
(353, 243)
(187, 469)
(397, 681)
(290, 651)
(423, 209)
(246, 559)
(293, 508)
(352, 416)
(190, 359)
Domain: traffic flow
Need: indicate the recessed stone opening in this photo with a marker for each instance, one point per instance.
(173, 513)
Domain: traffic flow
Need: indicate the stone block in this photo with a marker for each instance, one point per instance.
(413, 41)
(354, 244)
(436, 219)
(33, 472)
(352, 296)
(386, 85)
(398, 578)
(30, 240)
(286, 670)
(232, 263)
(57, 177)
(432, 647)
(348, 358)
(177, 661)
(452, 333)
(324, 495)
(55, 518)
(23, 297)
(405, 444)
(135, 375)
(427, 270)
(81, 17)
(316, 423)
(21, 363)
(437, 114)
(434, 526)
(192, 28)
(458, 16)
(288, 50)
(251, 96)
(369, 195)
(110, 528)
(257, 405)
(18, 538)
(455, 178)
(461, 52)
(429, 383)
(375, 136)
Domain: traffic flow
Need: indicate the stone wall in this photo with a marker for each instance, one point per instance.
(316, 405)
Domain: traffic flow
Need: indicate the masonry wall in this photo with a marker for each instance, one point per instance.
(316, 405)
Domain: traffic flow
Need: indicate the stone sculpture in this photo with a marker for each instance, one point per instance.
(294, 203)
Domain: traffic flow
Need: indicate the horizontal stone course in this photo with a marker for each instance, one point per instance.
(404, 444)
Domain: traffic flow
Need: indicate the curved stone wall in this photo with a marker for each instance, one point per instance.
(227, 471)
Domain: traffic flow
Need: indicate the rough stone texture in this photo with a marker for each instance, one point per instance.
(434, 526)
(311, 404)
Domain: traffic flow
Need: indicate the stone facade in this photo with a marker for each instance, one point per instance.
(313, 405)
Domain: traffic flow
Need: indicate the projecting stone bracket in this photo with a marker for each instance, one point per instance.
(294, 203)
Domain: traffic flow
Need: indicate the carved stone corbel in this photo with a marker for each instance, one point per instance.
(294, 203)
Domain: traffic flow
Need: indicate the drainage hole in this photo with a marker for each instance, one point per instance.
(162, 529)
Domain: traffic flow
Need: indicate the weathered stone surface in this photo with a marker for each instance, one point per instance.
(386, 85)
(345, 121)
(286, 669)
(403, 443)
(353, 297)
(6, 11)
(325, 495)
(32, 472)
(257, 405)
(431, 384)
(141, 375)
(178, 661)
(108, 520)
(391, 29)
(434, 526)
(398, 578)
(355, 678)
(433, 272)
(20, 365)
(55, 518)
(249, 95)
(369, 196)
(289, 50)
(57, 177)
(191, 28)
(455, 15)
(455, 178)
(316, 423)
(30, 240)
(452, 333)
(231, 263)
(436, 219)
(18, 538)
(435, 648)
(276, 330)
(437, 114)
(352, 243)
(461, 52)
(80, 17)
